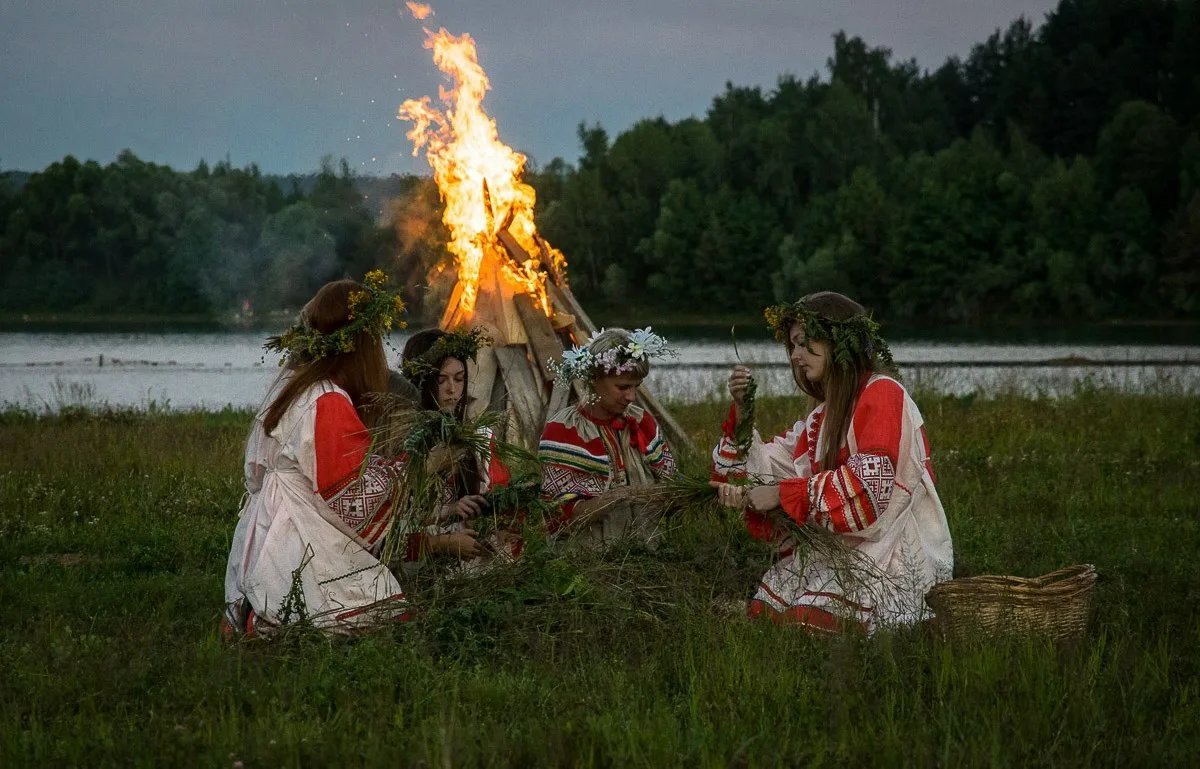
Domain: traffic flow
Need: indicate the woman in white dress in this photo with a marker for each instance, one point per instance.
(318, 502)
(857, 466)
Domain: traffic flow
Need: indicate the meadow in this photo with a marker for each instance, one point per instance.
(114, 529)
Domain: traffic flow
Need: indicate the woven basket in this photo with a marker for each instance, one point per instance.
(1056, 605)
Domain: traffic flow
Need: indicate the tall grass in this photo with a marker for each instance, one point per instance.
(114, 530)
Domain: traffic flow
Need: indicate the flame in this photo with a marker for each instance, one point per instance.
(478, 176)
(419, 10)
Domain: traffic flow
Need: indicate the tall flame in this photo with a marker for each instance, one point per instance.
(478, 176)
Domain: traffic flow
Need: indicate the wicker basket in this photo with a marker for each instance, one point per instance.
(1056, 605)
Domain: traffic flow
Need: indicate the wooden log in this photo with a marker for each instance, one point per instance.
(499, 305)
(481, 378)
(542, 340)
(544, 248)
(498, 400)
(514, 249)
(523, 393)
(562, 298)
(451, 315)
(487, 206)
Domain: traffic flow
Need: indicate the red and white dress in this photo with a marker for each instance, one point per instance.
(879, 500)
(316, 508)
(583, 456)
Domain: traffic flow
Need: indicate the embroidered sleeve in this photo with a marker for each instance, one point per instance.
(846, 499)
(658, 451)
(356, 486)
(781, 457)
(852, 496)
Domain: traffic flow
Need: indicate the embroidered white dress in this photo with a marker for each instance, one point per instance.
(301, 551)
(879, 501)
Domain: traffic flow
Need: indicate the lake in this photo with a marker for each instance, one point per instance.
(210, 370)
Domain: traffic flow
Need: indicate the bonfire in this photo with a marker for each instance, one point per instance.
(507, 278)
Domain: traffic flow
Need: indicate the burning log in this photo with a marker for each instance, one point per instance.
(527, 341)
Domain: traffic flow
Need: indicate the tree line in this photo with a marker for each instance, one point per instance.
(136, 237)
(1052, 173)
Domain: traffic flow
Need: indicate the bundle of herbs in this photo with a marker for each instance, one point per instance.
(440, 457)
(743, 431)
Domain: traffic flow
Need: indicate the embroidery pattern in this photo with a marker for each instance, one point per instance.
(878, 476)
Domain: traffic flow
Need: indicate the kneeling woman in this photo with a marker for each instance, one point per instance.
(606, 442)
(317, 501)
(435, 362)
(857, 466)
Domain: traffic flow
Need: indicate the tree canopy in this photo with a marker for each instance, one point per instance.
(1052, 173)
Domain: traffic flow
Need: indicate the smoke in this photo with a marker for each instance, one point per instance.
(423, 263)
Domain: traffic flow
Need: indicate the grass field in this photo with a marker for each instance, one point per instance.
(114, 530)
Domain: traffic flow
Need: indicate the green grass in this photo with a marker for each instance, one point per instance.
(114, 530)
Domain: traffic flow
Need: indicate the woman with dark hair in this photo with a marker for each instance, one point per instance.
(857, 466)
(435, 363)
(317, 502)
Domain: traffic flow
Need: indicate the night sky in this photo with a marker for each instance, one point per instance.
(283, 82)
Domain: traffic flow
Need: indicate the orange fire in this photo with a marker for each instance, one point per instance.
(478, 176)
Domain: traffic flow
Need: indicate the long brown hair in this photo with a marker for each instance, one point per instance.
(841, 384)
(359, 372)
(419, 344)
(465, 476)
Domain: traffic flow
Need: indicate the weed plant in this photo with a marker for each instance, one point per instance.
(115, 526)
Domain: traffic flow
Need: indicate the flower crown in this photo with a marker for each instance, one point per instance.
(373, 310)
(580, 362)
(460, 343)
(856, 336)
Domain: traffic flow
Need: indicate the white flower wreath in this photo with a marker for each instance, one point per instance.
(580, 362)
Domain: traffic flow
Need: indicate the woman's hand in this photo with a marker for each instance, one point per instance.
(739, 380)
(471, 506)
(461, 544)
(729, 495)
(765, 497)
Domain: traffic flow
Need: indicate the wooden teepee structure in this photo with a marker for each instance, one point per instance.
(513, 375)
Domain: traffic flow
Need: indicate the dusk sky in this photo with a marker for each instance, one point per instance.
(283, 82)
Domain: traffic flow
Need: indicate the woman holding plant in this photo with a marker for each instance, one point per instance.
(848, 492)
(606, 442)
(317, 501)
(460, 461)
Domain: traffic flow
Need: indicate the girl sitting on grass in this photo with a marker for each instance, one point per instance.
(857, 466)
(605, 442)
(317, 500)
(435, 362)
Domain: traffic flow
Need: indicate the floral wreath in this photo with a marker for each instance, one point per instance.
(373, 310)
(580, 362)
(848, 339)
(460, 343)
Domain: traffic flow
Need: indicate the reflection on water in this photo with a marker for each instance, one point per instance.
(214, 369)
